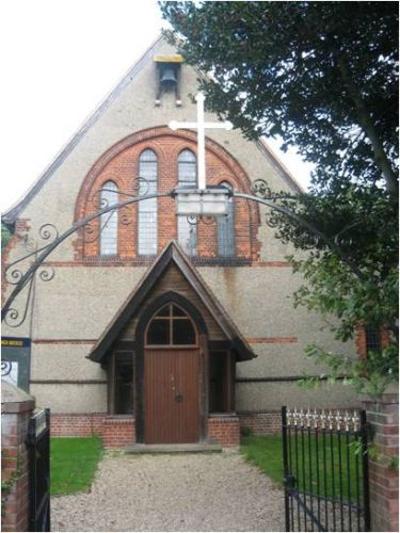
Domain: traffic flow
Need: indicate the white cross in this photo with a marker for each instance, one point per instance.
(201, 126)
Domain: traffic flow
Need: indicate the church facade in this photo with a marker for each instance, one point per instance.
(157, 328)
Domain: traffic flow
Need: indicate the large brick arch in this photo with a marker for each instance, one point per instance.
(120, 163)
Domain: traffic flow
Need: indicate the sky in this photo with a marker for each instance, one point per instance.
(60, 59)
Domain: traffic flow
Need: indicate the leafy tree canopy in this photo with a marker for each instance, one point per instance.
(322, 75)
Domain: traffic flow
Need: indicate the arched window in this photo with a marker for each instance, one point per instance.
(147, 209)
(109, 221)
(171, 326)
(226, 229)
(187, 177)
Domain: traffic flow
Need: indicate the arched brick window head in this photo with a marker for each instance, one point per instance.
(147, 209)
(166, 159)
(187, 177)
(109, 221)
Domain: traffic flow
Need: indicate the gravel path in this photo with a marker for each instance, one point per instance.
(189, 492)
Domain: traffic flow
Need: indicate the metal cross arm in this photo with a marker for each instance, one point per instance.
(200, 126)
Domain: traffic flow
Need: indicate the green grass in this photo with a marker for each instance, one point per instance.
(266, 453)
(73, 463)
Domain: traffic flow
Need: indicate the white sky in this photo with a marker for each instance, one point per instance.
(60, 58)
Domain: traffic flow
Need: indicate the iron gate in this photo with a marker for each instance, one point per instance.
(39, 471)
(325, 461)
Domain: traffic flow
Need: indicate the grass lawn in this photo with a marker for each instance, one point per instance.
(266, 453)
(311, 475)
(73, 463)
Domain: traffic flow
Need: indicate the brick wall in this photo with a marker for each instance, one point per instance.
(118, 431)
(224, 429)
(266, 423)
(383, 416)
(77, 425)
(17, 409)
(121, 165)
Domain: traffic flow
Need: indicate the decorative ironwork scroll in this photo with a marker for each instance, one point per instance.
(38, 252)
(16, 276)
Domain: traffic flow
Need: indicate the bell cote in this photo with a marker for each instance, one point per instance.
(168, 76)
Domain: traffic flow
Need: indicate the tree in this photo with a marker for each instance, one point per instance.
(323, 77)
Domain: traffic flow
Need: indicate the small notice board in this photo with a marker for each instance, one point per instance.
(16, 361)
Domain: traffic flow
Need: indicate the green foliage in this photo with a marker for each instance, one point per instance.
(8, 484)
(5, 236)
(246, 431)
(394, 464)
(320, 75)
(73, 463)
(323, 77)
(369, 375)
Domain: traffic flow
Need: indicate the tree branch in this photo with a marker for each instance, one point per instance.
(366, 123)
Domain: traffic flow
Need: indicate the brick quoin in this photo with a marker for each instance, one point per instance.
(121, 165)
(383, 417)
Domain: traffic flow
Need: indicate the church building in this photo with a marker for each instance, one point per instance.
(157, 328)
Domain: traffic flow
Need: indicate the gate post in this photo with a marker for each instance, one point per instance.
(16, 410)
(383, 418)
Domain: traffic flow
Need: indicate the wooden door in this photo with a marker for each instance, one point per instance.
(171, 395)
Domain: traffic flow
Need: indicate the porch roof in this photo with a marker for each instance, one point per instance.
(172, 253)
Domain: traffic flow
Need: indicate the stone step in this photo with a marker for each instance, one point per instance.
(198, 447)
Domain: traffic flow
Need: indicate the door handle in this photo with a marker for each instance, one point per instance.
(179, 397)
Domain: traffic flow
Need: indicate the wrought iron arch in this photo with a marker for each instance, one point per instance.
(48, 232)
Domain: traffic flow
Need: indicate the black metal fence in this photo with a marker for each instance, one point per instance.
(325, 459)
(39, 471)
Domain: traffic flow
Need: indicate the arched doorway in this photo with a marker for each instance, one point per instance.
(171, 377)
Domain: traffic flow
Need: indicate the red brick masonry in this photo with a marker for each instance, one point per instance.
(14, 465)
(118, 431)
(383, 416)
(265, 423)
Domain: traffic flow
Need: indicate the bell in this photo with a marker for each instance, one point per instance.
(168, 77)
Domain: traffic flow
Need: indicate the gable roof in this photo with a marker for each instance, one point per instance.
(172, 253)
(12, 213)
(9, 216)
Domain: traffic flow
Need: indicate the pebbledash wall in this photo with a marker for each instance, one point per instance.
(69, 313)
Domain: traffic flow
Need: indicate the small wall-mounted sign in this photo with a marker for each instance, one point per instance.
(211, 202)
(16, 361)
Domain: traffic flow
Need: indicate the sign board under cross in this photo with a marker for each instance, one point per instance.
(204, 201)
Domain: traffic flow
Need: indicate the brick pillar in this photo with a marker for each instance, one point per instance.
(16, 410)
(383, 416)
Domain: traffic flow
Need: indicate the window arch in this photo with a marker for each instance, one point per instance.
(147, 209)
(109, 221)
(226, 228)
(187, 177)
(171, 326)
